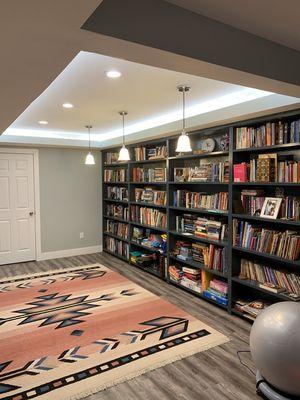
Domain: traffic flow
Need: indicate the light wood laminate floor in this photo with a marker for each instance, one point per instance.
(215, 374)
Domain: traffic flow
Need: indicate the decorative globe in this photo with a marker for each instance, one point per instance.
(275, 346)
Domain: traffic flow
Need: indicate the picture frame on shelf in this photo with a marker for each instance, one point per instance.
(271, 207)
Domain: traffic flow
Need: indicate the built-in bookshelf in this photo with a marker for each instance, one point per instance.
(222, 223)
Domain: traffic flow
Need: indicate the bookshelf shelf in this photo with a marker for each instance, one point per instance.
(295, 224)
(156, 228)
(199, 239)
(116, 201)
(147, 205)
(269, 149)
(200, 211)
(115, 236)
(148, 183)
(148, 270)
(116, 255)
(254, 285)
(116, 219)
(156, 160)
(198, 294)
(224, 154)
(200, 183)
(266, 184)
(201, 155)
(268, 256)
(198, 265)
(144, 247)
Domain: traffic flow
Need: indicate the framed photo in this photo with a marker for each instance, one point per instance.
(271, 207)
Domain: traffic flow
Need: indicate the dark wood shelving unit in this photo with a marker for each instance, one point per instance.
(236, 286)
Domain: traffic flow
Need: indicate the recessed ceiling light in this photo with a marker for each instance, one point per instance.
(113, 74)
(43, 122)
(68, 105)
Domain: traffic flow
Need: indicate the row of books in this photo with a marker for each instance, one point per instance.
(271, 279)
(151, 196)
(111, 157)
(115, 175)
(149, 174)
(117, 211)
(148, 216)
(201, 200)
(284, 244)
(208, 172)
(117, 193)
(201, 227)
(270, 134)
(117, 246)
(211, 256)
(267, 170)
(252, 201)
(143, 153)
(117, 228)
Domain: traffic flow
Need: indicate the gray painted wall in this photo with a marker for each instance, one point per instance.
(70, 198)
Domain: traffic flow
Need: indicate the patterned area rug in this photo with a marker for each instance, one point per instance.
(69, 333)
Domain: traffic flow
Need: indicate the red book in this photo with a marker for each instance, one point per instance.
(240, 172)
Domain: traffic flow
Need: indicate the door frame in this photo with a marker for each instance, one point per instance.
(36, 180)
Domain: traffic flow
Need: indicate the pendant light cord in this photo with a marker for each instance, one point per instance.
(183, 110)
(89, 138)
(123, 119)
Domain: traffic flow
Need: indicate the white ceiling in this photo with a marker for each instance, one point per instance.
(147, 93)
(275, 20)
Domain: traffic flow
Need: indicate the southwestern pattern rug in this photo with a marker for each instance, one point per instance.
(69, 333)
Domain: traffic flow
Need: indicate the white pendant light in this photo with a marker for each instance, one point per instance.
(183, 144)
(124, 153)
(89, 159)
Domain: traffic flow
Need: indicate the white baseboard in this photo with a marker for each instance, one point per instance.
(49, 255)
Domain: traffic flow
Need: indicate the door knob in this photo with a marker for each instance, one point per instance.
(31, 213)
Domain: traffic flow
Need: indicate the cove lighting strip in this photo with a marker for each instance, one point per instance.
(238, 97)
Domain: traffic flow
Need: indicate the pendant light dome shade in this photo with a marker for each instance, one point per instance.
(124, 153)
(183, 143)
(89, 159)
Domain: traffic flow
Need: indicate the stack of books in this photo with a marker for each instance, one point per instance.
(250, 309)
(152, 261)
(112, 158)
(142, 153)
(201, 200)
(217, 290)
(117, 211)
(270, 134)
(148, 174)
(148, 216)
(150, 196)
(117, 193)
(271, 279)
(208, 172)
(117, 229)
(115, 175)
(117, 246)
(187, 277)
(201, 227)
(284, 244)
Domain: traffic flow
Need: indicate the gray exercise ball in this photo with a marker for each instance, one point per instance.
(275, 346)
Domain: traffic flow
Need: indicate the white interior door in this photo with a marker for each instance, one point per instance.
(17, 210)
